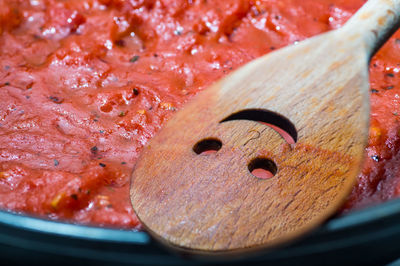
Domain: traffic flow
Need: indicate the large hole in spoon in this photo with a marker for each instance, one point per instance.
(277, 122)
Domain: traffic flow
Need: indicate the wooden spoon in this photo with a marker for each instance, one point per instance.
(317, 92)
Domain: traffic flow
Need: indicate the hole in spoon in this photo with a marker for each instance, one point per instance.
(277, 122)
(263, 168)
(207, 146)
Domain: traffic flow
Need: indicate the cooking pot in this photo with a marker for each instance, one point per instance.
(370, 236)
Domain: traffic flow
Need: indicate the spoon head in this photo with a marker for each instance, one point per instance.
(216, 180)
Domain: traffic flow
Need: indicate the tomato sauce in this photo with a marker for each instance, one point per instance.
(84, 84)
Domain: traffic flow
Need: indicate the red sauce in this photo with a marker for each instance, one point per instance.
(84, 84)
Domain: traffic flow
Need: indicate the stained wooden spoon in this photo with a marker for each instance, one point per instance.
(317, 92)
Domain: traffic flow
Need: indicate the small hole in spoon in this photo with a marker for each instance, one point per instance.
(262, 168)
(207, 146)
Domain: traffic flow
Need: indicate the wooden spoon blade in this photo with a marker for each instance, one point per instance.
(213, 202)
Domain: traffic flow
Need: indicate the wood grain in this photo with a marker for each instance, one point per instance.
(211, 202)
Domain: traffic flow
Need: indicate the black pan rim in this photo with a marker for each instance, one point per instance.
(109, 234)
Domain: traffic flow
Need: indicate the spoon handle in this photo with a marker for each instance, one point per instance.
(375, 22)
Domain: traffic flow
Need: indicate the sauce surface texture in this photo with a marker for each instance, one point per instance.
(84, 84)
